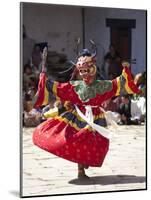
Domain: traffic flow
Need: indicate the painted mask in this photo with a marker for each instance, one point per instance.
(86, 68)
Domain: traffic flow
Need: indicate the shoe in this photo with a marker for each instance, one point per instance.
(83, 176)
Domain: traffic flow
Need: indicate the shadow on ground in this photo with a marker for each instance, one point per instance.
(14, 193)
(109, 180)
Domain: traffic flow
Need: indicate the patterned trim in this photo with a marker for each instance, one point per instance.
(68, 122)
(46, 97)
(52, 89)
(74, 114)
(130, 87)
(127, 87)
(76, 122)
(118, 86)
(125, 83)
(101, 122)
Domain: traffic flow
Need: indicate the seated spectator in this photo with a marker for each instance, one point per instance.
(130, 112)
(125, 111)
(32, 116)
(112, 104)
(32, 87)
(140, 78)
(138, 103)
(27, 75)
(111, 107)
(138, 110)
(140, 81)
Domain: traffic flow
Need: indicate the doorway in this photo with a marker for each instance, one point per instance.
(121, 36)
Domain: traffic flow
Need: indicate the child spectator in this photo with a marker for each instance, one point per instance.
(125, 111)
(32, 117)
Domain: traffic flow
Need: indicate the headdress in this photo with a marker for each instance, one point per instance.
(85, 61)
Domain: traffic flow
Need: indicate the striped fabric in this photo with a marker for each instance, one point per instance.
(128, 84)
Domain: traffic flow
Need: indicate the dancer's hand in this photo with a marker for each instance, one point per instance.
(125, 64)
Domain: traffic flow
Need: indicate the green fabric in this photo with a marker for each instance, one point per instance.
(86, 92)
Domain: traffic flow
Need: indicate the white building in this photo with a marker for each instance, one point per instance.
(60, 26)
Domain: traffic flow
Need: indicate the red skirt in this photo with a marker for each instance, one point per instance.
(62, 139)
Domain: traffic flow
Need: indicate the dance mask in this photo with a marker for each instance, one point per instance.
(86, 64)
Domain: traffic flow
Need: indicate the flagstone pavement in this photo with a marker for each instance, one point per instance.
(124, 167)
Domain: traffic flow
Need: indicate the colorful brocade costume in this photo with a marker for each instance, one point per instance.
(69, 135)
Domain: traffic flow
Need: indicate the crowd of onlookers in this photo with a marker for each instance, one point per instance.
(126, 109)
(31, 71)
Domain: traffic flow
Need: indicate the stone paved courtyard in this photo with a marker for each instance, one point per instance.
(124, 167)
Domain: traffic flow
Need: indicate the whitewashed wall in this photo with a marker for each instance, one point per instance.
(95, 23)
(59, 26)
